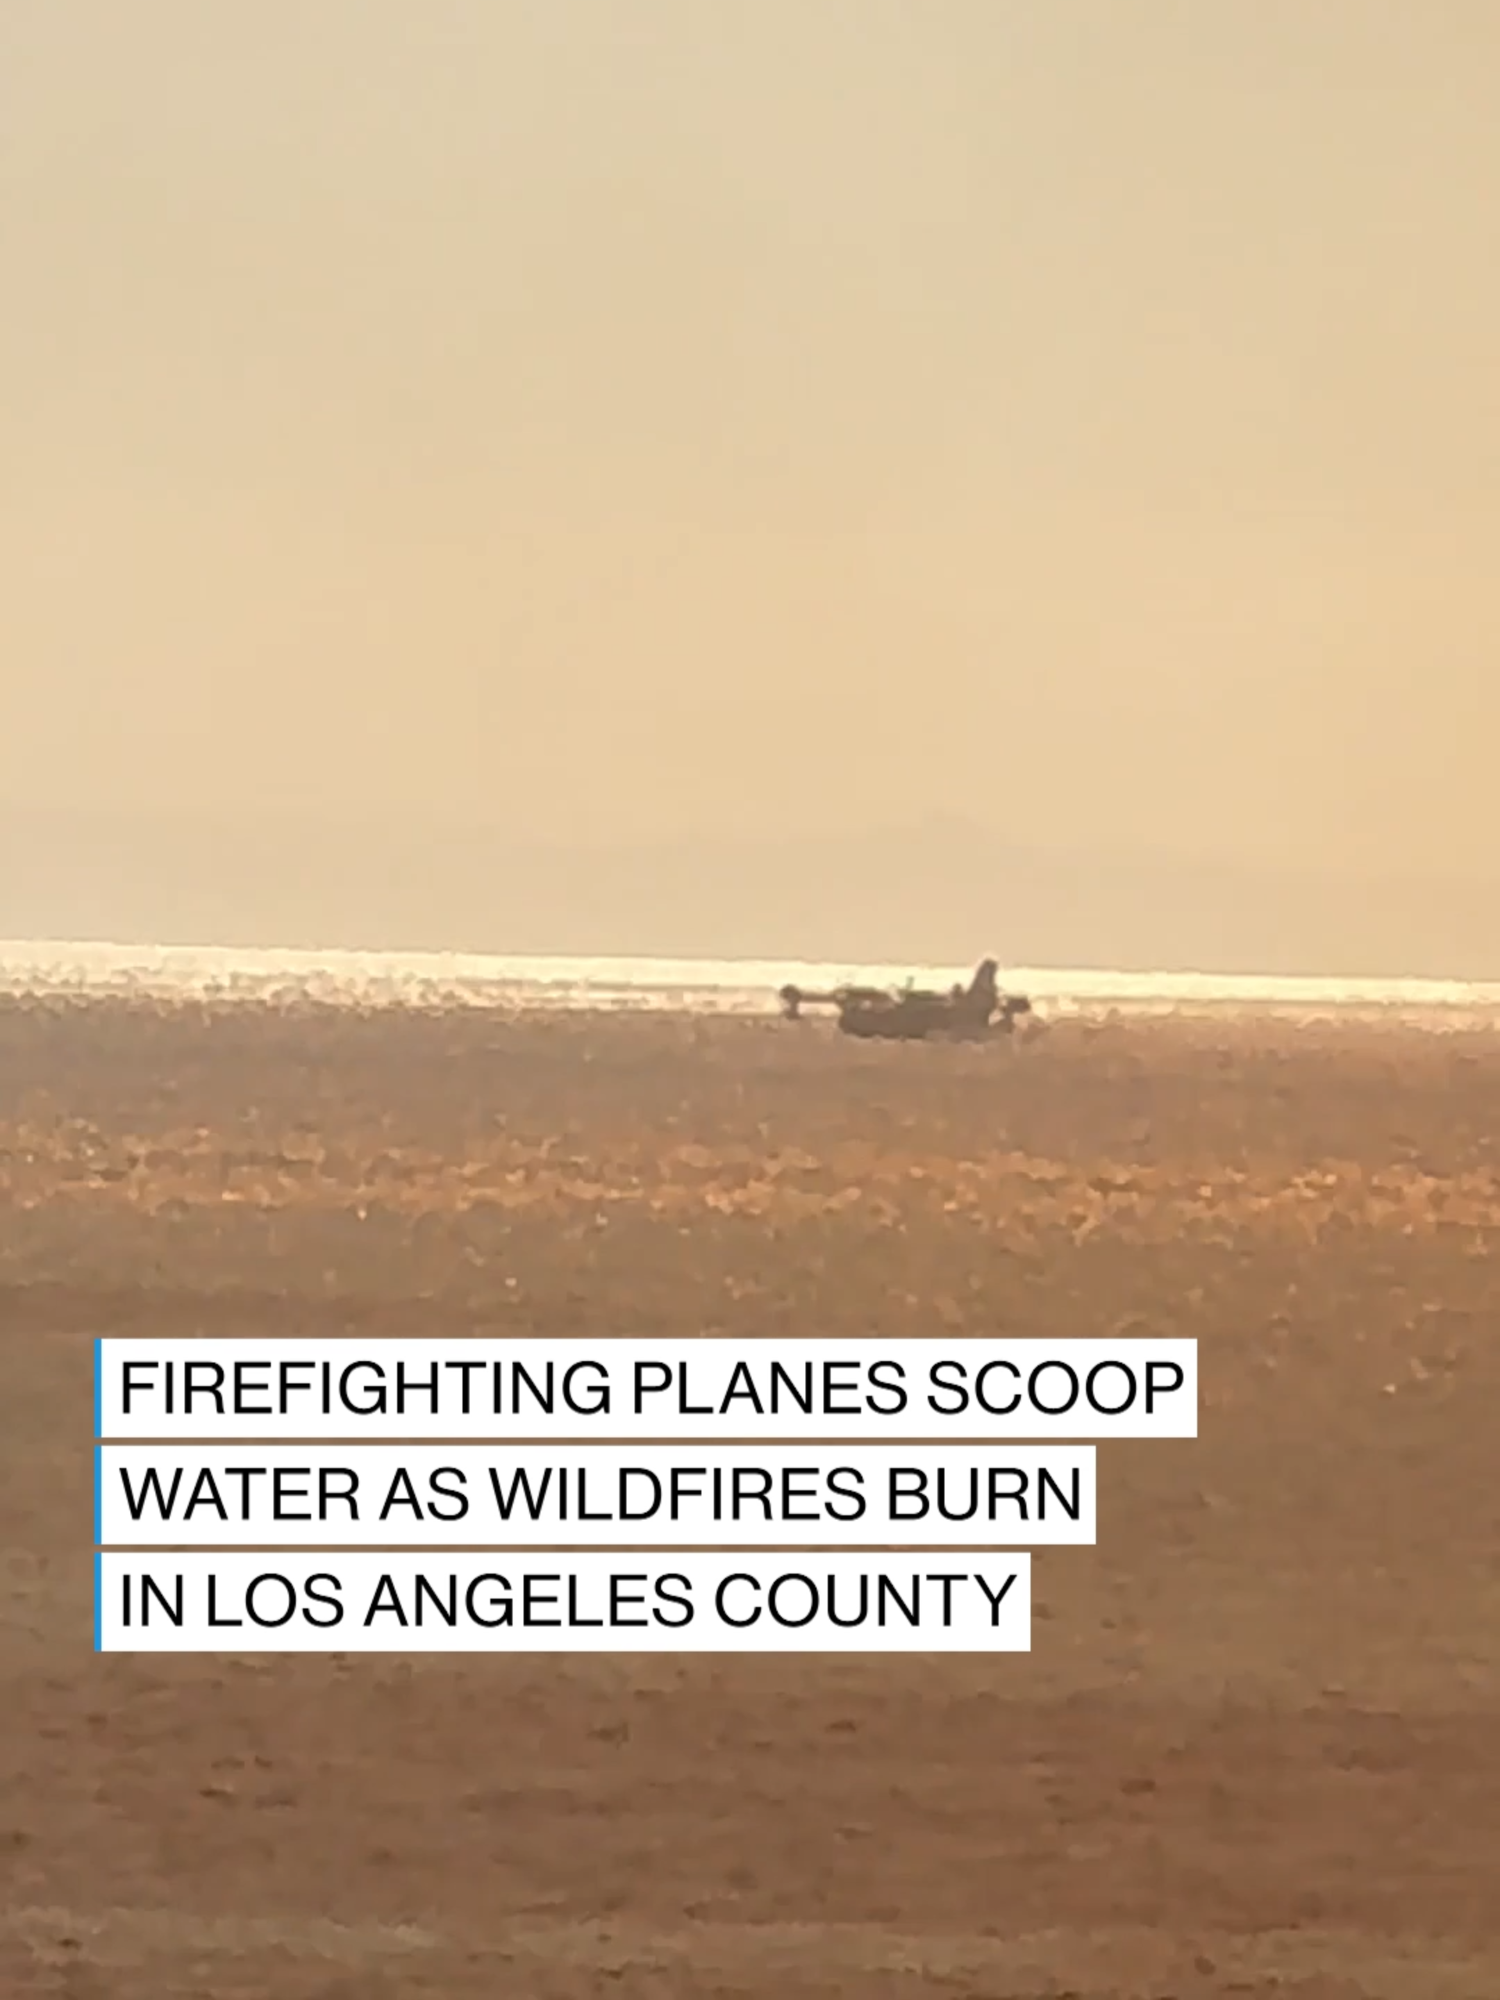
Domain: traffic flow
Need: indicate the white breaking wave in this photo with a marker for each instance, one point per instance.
(737, 986)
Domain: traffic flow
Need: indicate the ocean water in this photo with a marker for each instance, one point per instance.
(736, 986)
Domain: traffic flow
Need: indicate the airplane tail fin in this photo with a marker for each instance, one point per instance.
(982, 986)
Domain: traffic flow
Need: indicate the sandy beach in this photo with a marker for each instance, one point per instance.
(1255, 1749)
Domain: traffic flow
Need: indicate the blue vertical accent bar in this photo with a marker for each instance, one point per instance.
(98, 1494)
(98, 1388)
(98, 1602)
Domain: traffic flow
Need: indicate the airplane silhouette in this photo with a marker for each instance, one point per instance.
(916, 1014)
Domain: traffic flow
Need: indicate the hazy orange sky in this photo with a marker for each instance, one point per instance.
(670, 418)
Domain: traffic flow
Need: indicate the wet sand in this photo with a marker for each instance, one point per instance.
(1256, 1747)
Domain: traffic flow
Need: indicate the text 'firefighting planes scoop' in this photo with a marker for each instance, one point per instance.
(915, 1014)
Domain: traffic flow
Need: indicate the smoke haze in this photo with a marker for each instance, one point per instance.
(551, 475)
